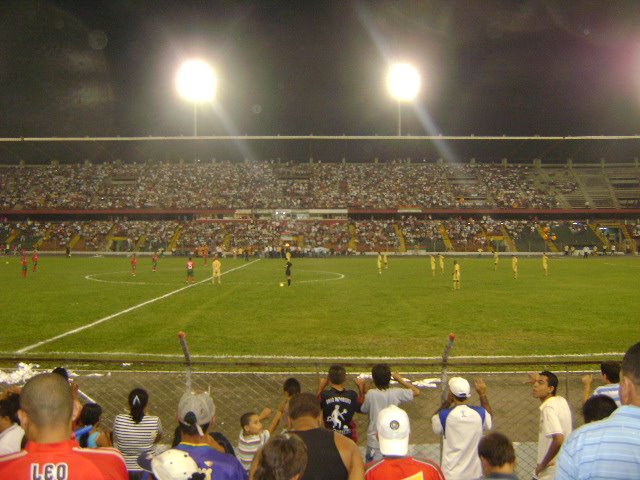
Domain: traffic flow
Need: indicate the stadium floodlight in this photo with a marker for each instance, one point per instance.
(403, 83)
(196, 82)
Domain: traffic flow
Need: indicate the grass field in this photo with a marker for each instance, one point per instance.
(335, 307)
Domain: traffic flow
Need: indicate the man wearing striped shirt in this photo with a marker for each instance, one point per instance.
(611, 378)
(609, 449)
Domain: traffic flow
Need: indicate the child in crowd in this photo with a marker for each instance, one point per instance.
(253, 436)
(94, 438)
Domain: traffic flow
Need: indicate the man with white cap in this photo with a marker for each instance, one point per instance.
(196, 411)
(393, 435)
(461, 426)
(171, 464)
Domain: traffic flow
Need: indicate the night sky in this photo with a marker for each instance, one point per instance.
(525, 67)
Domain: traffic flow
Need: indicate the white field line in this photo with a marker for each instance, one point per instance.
(534, 358)
(122, 312)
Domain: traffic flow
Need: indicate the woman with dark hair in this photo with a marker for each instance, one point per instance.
(283, 457)
(136, 432)
(90, 416)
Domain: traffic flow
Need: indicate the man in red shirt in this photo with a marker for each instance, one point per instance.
(154, 262)
(190, 276)
(134, 264)
(51, 453)
(23, 263)
(34, 259)
(393, 434)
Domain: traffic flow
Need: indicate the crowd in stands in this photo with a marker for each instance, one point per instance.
(46, 432)
(305, 236)
(268, 184)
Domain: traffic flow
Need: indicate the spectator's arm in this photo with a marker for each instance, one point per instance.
(350, 455)
(398, 378)
(587, 381)
(554, 448)
(322, 384)
(361, 384)
(481, 388)
(265, 413)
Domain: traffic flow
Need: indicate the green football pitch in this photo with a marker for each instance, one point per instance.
(335, 307)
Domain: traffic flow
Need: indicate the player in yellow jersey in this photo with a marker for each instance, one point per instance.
(514, 266)
(545, 264)
(496, 258)
(432, 259)
(379, 263)
(456, 275)
(441, 262)
(216, 265)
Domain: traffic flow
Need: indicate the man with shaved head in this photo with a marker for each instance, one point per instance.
(51, 453)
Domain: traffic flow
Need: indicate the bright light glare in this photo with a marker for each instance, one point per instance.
(403, 82)
(196, 81)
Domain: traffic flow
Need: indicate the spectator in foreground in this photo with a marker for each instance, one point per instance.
(172, 464)
(11, 433)
(497, 456)
(136, 433)
(380, 397)
(597, 408)
(330, 454)
(609, 448)
(196, 413)
(284, 457)
(555, 423)
(45, 414)
(610, 372)
(338, 403)
(393, 429)
(461, 426)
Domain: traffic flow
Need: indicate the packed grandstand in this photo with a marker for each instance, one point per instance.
(320, 208)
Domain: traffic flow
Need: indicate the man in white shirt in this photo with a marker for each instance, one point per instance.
(555, 423)
(462, 426)
(11, 433)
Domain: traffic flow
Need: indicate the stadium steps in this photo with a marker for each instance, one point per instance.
(596, 231)
(508, 240)
(353, 241)
(74, 241)
(108, 239)
(174, 238)
(142, 240)
(448, 244)
(401, 240)
(588, 201)
(12, 236)
(629, 240)
(548, 242)
(226, 241)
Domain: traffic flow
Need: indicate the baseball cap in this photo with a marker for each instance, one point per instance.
(393, 431)
(201, 404)
(460, 387)
(171, 464)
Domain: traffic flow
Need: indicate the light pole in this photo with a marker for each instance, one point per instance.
(196, 82)
(403, 83)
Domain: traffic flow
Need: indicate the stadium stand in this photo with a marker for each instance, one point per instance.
(319, 207)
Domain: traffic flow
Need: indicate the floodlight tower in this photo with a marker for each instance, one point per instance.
(196, 82)
(403, 83)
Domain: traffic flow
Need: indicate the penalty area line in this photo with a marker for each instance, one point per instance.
(122, 312)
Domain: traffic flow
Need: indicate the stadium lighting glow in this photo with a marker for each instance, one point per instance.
(196, 82)
(403, 83)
